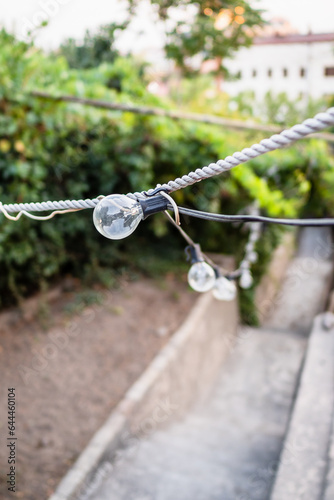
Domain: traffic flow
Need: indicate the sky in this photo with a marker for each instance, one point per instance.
(70, 18)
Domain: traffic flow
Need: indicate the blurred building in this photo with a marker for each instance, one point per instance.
(281, 60)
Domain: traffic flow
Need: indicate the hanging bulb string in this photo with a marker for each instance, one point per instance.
(243, 272)
(191, 242)
(254, 235)
(179, 228)
(24, 208)
(276, 141)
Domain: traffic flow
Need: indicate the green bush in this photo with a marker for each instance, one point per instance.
(54, 151)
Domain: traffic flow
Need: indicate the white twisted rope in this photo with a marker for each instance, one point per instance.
(276, 141)
(51, 205)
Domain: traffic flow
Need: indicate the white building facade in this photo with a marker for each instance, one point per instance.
(299, 65)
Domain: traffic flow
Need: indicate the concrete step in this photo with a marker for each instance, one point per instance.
(305, 462)
(226, 448)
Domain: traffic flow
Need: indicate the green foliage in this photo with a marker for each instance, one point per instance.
(96, 48)
(197, 94)
(278, 108)
(83, 299)
(60, 151)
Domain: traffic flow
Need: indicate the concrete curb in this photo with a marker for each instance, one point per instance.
(180, 374)
(304, 459)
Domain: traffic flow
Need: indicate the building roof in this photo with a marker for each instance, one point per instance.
(294, 38)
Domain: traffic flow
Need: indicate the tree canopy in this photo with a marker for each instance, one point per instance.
(95, 49)
(195, 32)
(206, 29)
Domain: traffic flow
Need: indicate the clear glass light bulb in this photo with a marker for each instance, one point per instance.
(224, 289)
(249, 247)
(246, 280)
(252, 257)
(255, 227)
(116, 216)
(201, 277)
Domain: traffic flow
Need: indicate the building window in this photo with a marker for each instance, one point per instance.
(270, 73)
(302, 72)
(329, 71)
(254, 73)
(285, 72)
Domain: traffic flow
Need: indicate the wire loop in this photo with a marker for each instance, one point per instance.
(158, 189)
(174, 205)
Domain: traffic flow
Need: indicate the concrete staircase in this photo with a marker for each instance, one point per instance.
(266, 431)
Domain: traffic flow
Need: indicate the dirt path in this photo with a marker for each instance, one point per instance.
(67, 378)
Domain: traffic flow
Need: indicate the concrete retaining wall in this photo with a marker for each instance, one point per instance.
(179, 375)
(269, 285)
(305, 457)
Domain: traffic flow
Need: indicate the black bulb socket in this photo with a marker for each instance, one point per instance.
(194, 253)
(153, 205)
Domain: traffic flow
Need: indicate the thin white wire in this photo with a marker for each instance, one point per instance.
(175, 207)
(35, 217)
(276, 141)
(191, 242)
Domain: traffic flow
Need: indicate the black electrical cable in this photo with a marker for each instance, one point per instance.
(253, 218)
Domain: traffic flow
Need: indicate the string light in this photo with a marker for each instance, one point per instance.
(224, 289)
(201, 276)
(253, 256)
(117, 216)
(277, 141)
(246, 279)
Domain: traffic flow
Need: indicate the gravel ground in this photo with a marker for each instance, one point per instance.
(70, 365)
